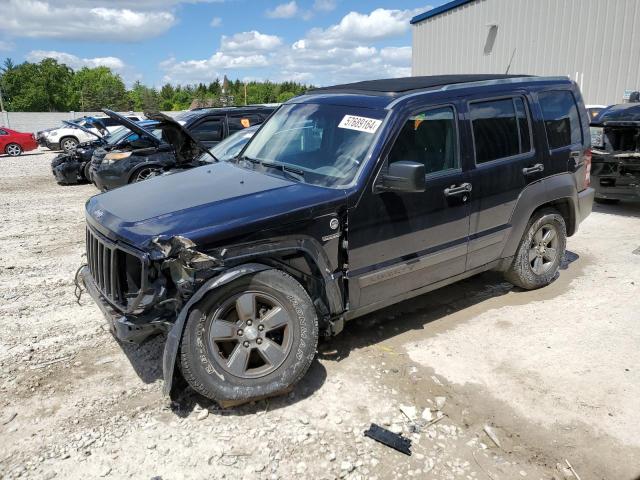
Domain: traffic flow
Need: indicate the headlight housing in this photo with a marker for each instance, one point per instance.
(110, 158)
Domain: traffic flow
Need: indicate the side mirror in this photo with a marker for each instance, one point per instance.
(403, 177)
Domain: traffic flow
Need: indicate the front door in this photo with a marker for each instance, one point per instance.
(209, 130)
(399, 242)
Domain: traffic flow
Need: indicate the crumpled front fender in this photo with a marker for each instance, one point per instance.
(175, 334)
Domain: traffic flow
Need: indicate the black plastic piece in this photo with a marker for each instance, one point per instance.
(388, 438)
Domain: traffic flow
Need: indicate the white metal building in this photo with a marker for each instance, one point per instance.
(595, 42)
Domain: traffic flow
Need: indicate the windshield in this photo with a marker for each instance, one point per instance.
(326, 143)
(230, 147)
(117, 135)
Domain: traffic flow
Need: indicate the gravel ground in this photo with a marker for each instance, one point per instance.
(551, 375)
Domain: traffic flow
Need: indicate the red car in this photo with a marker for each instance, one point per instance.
(14, 143)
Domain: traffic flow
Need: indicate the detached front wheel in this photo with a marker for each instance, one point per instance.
(540, 252)
(253, 337)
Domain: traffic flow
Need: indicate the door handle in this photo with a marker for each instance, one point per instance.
(537, 168)
(459, 190)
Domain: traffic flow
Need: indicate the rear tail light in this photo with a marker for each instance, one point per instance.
(587, 167)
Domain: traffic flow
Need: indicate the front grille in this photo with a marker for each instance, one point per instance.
(118, 274)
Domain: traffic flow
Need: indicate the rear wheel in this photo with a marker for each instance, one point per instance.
(253, 337)
(68, 143)
(13, 149)
(540, 252)
(145, 173)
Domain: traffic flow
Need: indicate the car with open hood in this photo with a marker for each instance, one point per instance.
(69, 136)
(200, 128)
(346, 200)
(74, 167)
(615, 141)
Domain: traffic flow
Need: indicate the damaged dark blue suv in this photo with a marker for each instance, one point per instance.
(348, 199)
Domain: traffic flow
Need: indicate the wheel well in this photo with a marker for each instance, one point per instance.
(565, 207)
(301, 267)
(69, 136)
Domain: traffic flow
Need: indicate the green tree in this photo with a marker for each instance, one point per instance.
(33, 87)
(96, 88)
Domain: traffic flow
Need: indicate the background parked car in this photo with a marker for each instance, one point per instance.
(231, 146)
(14, 143)
(200, 128)
(67, 137)
(615, 141)
(74, 167)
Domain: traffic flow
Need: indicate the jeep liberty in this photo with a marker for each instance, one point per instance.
(347, 199)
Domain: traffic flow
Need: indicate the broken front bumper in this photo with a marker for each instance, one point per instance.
(127, 328)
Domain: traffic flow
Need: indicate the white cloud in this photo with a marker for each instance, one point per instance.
(284, 10)
(352, 49)
(216, 22)
(249, 42)
(121, 21)
(324, 5)
(75, 62)
(358, 27)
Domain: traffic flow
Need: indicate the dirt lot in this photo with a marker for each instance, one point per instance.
(553, 373)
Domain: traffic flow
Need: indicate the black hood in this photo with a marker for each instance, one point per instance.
(207, 205)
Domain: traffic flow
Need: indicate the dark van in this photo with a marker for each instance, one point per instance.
(347, 199)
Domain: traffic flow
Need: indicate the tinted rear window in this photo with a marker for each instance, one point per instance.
(495, 130)
(561, 119)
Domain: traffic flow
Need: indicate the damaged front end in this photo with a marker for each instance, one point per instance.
(615, 169)
(141, 292)
(67, 169)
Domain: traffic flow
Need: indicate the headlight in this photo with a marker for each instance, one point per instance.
(53, 134)
(110, 158)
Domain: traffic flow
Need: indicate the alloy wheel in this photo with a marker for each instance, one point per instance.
(69, 144)
(543, 249)
(146, 173)
(250, 335)
(13, 150)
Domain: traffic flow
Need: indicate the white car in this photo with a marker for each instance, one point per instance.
(67, 138)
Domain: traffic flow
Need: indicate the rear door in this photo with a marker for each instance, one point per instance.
(506, 161)
(209, 130)
(237, 122)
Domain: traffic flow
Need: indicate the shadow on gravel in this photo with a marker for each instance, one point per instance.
(146, 360)
(624, 209)
(187, 399)
(415, 313)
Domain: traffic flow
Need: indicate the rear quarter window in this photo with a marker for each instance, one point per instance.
(561, 118)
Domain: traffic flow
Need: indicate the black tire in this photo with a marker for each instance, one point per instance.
(13, 150)
(68, 144)
(607, 201)
(210, 373)
(86, 172)
(532, 265)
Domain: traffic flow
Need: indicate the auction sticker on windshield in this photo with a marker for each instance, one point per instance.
(361, 124)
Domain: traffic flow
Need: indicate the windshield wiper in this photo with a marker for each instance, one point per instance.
(292, 172)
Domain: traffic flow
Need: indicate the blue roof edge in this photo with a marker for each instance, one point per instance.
(434, 12)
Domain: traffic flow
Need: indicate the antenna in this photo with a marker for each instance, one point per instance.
(510, 60)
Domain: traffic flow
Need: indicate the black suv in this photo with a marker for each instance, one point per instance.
(348, 199)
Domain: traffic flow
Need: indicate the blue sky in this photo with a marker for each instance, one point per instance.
(186, 41)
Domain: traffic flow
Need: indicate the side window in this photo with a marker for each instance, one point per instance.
(561, 119)
(238, 122)
(523, 125)
(3, 132)
(496, 132)
(428, 138)
(209, 130)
